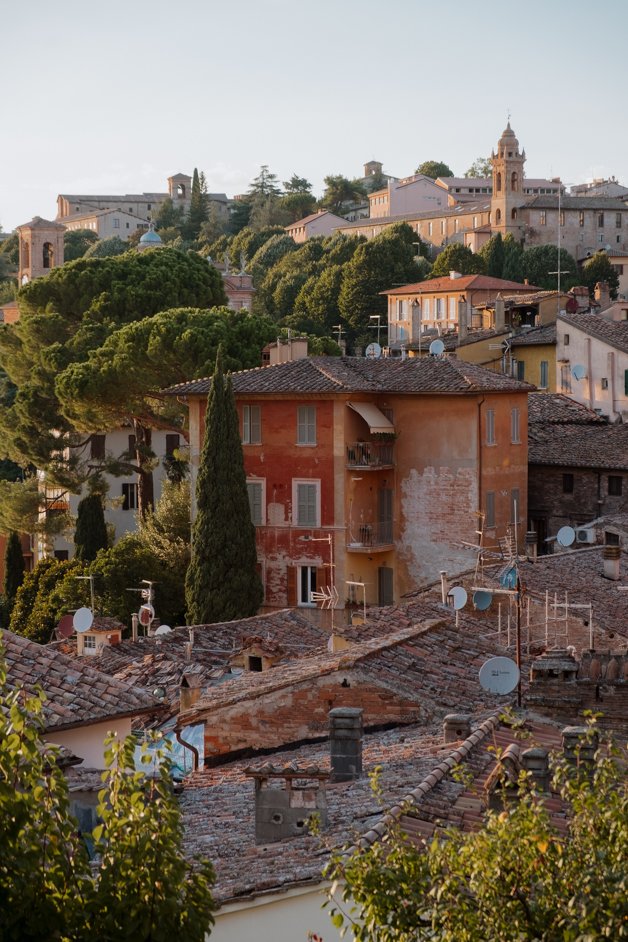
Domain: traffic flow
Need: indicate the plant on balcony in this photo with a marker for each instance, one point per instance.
(384, 436)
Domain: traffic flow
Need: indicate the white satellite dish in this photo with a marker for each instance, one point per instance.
(163, 630)
(499, 675)
(373, 351)
(579, 371)
(566, 536)
(437, 347)
(482, 600)
(146, 614)
(459, 596)
(83, 619)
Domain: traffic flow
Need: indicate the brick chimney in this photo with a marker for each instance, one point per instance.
(536, 762)
(579, 745)
(500, 313)
(456, 726)
(345, 742)
(189, 690)
(612, 557)
(531, 545)
(285, 798)
(602, 295)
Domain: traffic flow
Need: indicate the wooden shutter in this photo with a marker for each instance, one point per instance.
(292, 586)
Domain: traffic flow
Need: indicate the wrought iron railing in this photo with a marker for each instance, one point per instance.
(369, 454)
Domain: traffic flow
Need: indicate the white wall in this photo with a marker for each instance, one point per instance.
(88, 742)
(603, 385)
(282, 917)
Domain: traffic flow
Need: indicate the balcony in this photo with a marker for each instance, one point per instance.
(371, 538)
(366, 455)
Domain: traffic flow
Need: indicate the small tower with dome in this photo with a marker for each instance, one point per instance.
(150, 240)
(508, 194)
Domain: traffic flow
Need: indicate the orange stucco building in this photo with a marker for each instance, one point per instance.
(383, 464)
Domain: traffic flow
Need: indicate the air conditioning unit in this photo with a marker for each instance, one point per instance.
(585, 535)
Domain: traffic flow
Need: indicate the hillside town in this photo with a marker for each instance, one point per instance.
(328, 499)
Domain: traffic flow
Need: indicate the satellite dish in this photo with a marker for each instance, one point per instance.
(163, 630)
(459, 596)
(83, 619)
(373, 351)
(579, 371)
(437, 347)
(146, 614)
(65, 627)
(499, 675)
(566, 536)
(482, 600)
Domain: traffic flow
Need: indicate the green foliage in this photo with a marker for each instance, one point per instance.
(434, 169)
(515, 879)
(168, 217)
(165, 530)
(198, 213)
(340, 192)
(512, 269)
(457, 257)
(141, 887)
(599, 268)
(540, 264)
(76, 242)
(318, 298)
(20, 502)
(222, 581)
(40, 601)
(492, 252)
(269, 253)
(90, 535)
(246, 243)
(107, 248)
(8, 288)
(14, 569)
(481, 167)
(10, 251)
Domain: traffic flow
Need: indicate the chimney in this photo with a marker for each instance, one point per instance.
(536, 762)
(282, 808)
(134, 624)
(500, 314)
(189, 691)
(579, 745)
(188, 652)
(531, 545)
(444, 585)
(463, 321)
(602, 295)
(612, 557)
(456, 726)
(345, 742)
(454, 275)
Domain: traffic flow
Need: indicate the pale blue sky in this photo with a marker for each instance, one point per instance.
(114, 96)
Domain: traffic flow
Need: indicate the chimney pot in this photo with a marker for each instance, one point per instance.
(531, 545)
(611, 556)
(345, 742)
(456, 726)
(579, 745)
(536, 762)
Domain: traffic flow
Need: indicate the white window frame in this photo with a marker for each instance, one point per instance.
(515, 426)
(89, 642)
(297, 520)
(257, 483)
(306, 425)
(252, 425)
(490, 427)
(129, 496)
(306, 602)
(452, 309)
(426, 308)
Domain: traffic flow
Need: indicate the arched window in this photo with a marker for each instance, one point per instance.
(48, 255)
(26, 255)
(513, 214)
(499, 182)
(514, 181)
(498, 216)
(181, 191)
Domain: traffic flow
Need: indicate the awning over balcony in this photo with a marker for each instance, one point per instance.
(376, 420)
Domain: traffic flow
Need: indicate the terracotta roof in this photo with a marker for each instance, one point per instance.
(546, 334)
(576, 202)
(360, 374)
(77, 694)
(614, 333)
(464, 283)
(37, 222)
(311, 217)
(558, 408)
(579, 445)
(463, 209)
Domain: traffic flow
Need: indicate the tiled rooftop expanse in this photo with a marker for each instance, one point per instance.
(614, 333)
(579, 446)
(557, 408)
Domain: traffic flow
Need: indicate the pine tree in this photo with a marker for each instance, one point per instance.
(91, 531)
(222, 581)
(13, 569)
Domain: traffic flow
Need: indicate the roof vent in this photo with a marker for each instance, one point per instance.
(456, 726)
(285, 798)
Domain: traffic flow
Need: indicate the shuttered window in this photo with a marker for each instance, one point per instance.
(307, 504)
(306, 425)
(256, 501)
(251, 425)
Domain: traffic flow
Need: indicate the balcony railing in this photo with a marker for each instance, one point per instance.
(371, 535)
(369, 454)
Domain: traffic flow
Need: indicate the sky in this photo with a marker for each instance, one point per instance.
(116, 96)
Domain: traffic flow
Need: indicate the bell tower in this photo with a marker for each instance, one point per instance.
(41, 248)
(507, 195)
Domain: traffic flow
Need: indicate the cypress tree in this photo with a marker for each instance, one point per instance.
(13, 569)
(91, 530)
(198, 205)
(222, 581)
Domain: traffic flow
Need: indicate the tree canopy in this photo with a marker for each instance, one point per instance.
(434, 169)
(340, 191)
(600, 268)
(540, 266)
(457, 257)
(481, 167)
(76, 242)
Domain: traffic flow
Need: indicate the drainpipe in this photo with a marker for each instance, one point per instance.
(188, 745)
(480, 404)
(590, 372)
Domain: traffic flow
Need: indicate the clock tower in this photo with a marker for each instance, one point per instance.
(507, 197)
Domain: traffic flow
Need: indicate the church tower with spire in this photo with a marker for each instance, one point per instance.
(507, 197)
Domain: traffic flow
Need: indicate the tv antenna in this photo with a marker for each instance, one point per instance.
(340, 330)
(89, 579)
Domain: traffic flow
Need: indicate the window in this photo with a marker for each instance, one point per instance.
(132, 444)
(521, 370)
(452, 309)
(89, 642)
(129, 496)
(543, 219)
(429, 228)
(172, 443)
(567, 483)
(514, 426)
(442, 227)
(565, 378)
(439, 308)
(600, 220)
(490, 427)
(256, 502)
(306, 503)
(498, 216)
(543, 384)
(561, 218)
(128, 225)
(306, 584)
(498, 182)
(618, 220)
(513, 214)
(306, 425)
(611, 539)
(97, 447)
(116, 223)
(515, 505)
(514, 181)
(426, 308)
(489, 511)
(251, 425)
(399, 309)
(614, 485)
(566, 339)
(62, 555)
(581, 218)
(626, 382)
